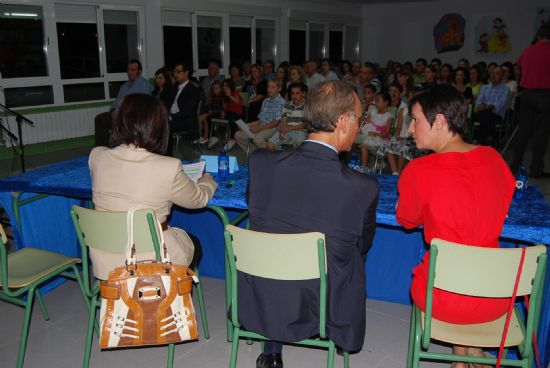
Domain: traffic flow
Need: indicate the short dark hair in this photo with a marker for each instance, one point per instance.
(230, 84)
(186, 68)
(300, 85)
(463, 70)
(142, 120)
(326, 103)
(544, 31)
(372, 87)
(385, 96)
(422, 60)
(231, 66)
(437, 60)
(396, 85)
(447, 101)
(136, 61)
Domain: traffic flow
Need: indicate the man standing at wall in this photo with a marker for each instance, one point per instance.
(534, 118)
(135, 84)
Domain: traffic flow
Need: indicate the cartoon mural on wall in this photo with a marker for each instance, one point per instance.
(492, 36)
(449, 33)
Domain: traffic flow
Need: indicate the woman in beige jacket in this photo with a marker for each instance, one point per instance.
(135, 174)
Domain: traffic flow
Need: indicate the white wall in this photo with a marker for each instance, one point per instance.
(405, 31)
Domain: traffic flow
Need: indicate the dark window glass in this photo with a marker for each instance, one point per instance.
(114, 87)
(83, 92)
(209, 37)
(265, 41)
(178, 46)
(22, 42)
(121, 39)
(28, 96)
(335, 45)
(78, 50)
(239, 44)
(297, 47)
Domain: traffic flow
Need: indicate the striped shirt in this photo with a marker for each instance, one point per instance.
(293, 114)
(272, 109)
(496, 95)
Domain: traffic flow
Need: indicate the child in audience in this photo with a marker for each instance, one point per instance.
(292, 129)
(233, 107)
(268, 119)
(377, 127)
(215, 110)
(398, 148)
(368, 98)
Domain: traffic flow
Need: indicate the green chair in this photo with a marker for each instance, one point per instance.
(106, 231)
(282, 257)
(482, 272)
(224, 122)
(21, 274)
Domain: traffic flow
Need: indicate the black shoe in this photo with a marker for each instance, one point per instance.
(541, 175)
(269, 361)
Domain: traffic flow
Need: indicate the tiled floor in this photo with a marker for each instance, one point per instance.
(59, 342)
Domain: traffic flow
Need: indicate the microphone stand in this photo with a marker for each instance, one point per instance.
(19, 119)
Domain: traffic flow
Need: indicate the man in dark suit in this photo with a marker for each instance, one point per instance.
(307, 190)
(184, 103)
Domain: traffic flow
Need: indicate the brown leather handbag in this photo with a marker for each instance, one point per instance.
(147, 302)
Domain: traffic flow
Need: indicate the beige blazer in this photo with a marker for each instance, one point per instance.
(124, 177)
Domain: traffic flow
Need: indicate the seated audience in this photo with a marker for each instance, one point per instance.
(183, 106)
(135, 84)
(474, 80)
(295, 75)
(403, 77)
(257, 90)
(306, 190)
(135, 174)
(419, 77)
(313, 78)
(246, 71)
(430, 76)
(491, 105)
(509, 81)
(436, 63)
(345, 70)
(233, 107)
(163, 86)
(461, 84)
(268, 119)
(267, 70)
(292, 129)
(445, 74)
(376, 128)
(214, 110)
(463, 63)
(213, 75)
(326, 71)
(398, 149)
(353, 77)
(461, 193)
(368, 103)
(235, 75)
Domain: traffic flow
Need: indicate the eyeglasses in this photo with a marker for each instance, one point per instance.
(360, 121)
(178, 71)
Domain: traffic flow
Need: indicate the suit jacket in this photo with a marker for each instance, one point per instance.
(302, 191)
(124, 177)
(187, 101)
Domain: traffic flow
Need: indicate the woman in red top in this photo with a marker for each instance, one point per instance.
(461, 193)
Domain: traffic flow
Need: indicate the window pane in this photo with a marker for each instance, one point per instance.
(240, 45)
(316, 40)
(121, 39)
(352, 43)
(266, 46)
(209, 37)
(29, 96)
(83, 92)
(114, 87)
(78, 50)
(22, 41)
(178, 46)
(297, 47)
(335, 45)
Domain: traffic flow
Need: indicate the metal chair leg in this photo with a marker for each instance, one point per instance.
(170, 360)
(41, 304)
(202, 306)
(90, 331)
(25, 329)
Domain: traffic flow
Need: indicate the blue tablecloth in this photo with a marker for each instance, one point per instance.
(46, 224)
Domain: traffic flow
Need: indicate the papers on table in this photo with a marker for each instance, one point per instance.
(245, 128)
(194, 171)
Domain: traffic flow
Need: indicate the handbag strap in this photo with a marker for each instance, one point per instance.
(510, 309)
(130, 249)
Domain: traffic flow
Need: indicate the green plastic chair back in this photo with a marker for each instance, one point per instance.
(106, 230)
(487, 272)
(282, 257)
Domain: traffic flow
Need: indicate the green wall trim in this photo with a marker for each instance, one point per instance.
(42, 110)
(52, 146)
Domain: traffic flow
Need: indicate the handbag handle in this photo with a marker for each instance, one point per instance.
(130, 249)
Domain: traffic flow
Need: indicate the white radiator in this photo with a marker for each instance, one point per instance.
(53, 126)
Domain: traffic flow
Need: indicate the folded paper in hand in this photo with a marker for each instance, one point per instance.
(245, 128)
(194, 171)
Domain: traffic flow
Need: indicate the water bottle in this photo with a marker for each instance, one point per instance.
(521, 182)
(223, 165)
(354, 162)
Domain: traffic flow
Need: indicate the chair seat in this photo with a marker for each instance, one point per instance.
(28, 265)
(487, 334)
(219, 121)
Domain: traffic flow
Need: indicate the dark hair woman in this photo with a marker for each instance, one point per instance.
(163, 86)
(135, 174)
